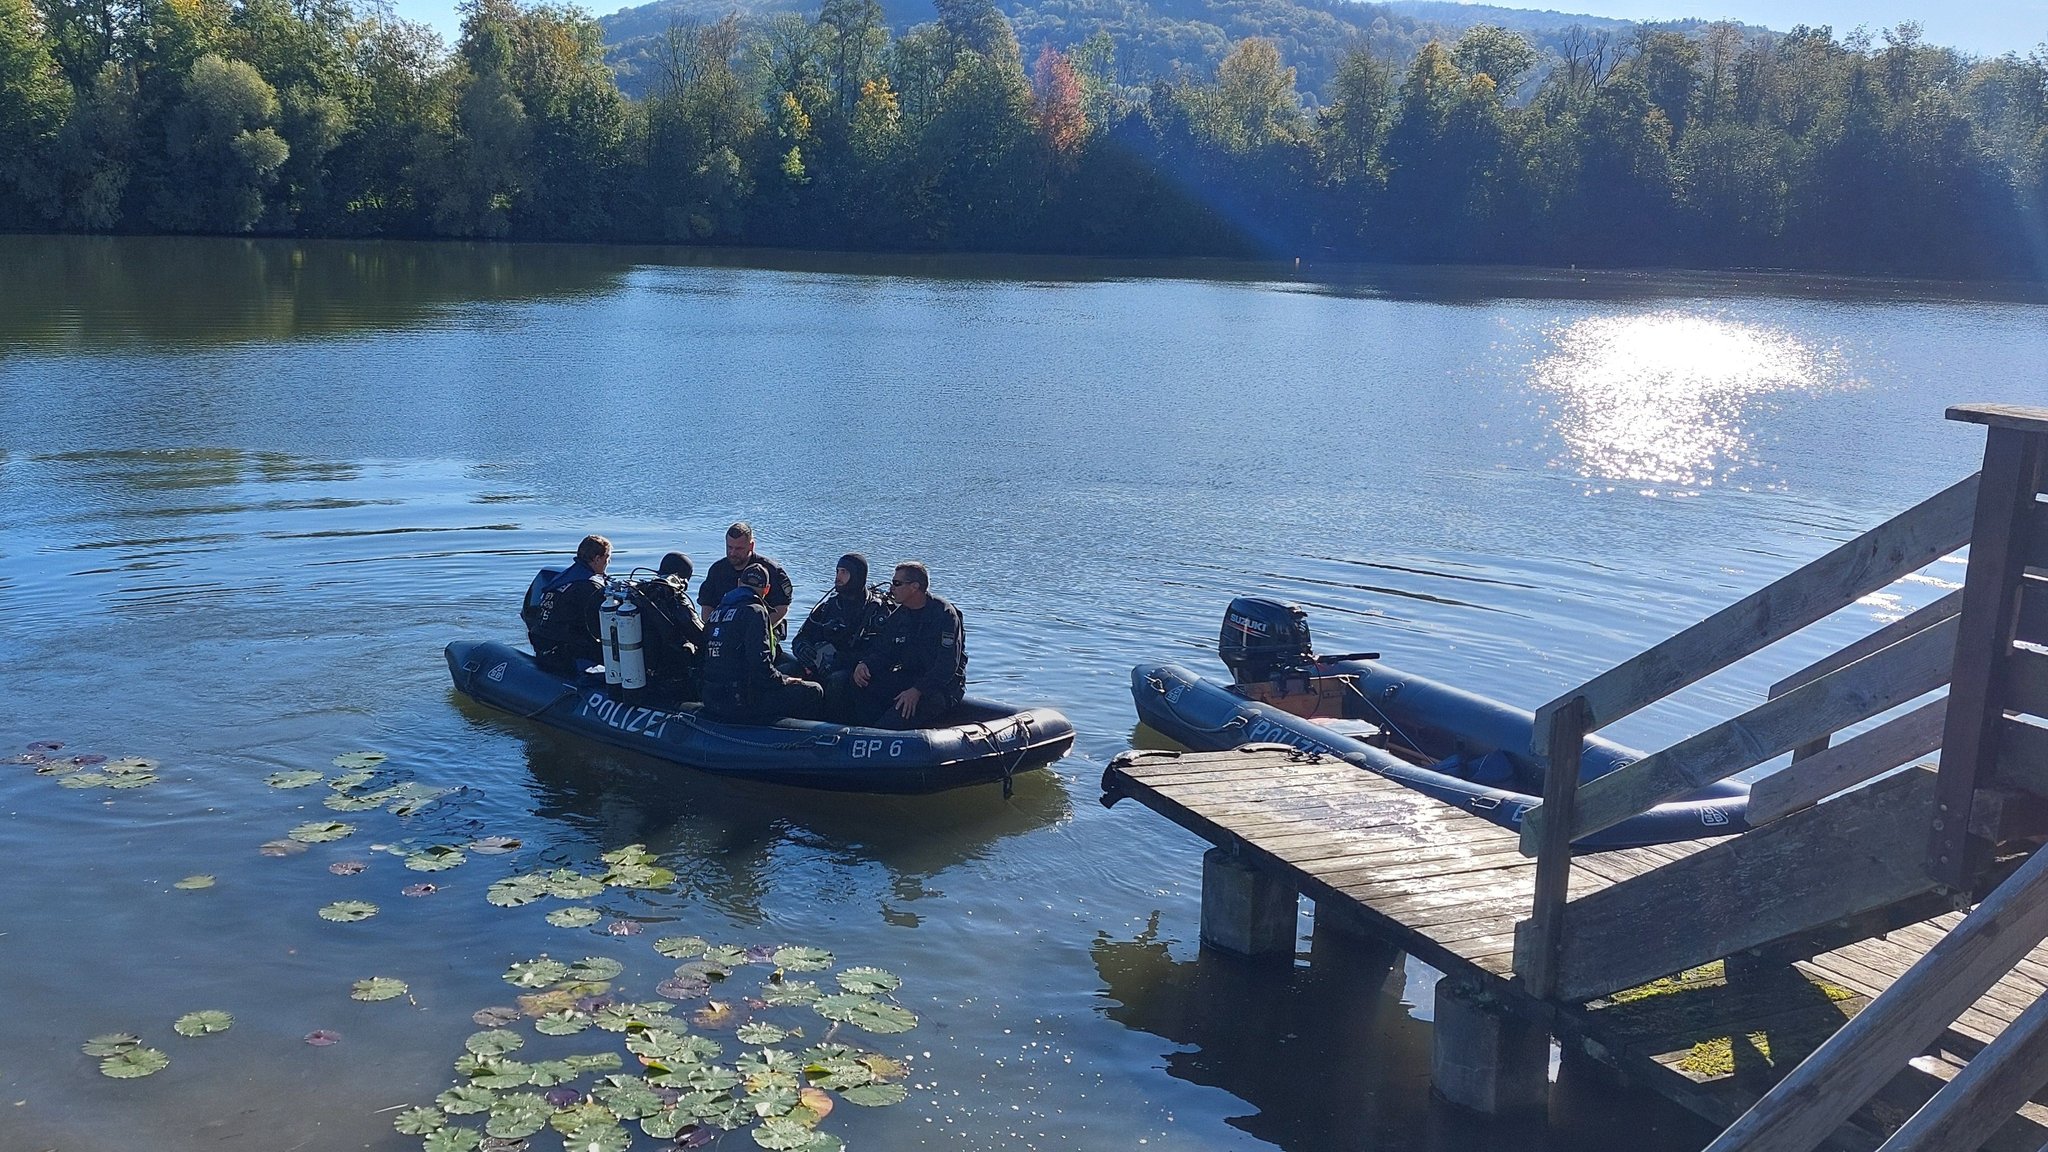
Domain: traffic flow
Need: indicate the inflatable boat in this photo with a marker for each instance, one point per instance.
(1444, 742)
(983, 743)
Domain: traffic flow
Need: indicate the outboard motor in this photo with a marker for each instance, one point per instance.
(631, 655)
(608, 635)
(1263, 637)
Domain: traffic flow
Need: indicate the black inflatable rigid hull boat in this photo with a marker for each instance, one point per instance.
(985, 743)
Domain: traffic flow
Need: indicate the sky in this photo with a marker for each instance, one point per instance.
(1985, 26)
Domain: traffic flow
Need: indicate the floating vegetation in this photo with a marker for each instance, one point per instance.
(293, 779)
(514, 891)
(495, 1017)
(194, 883)
(493, 845)
(418, 1121)
(111, 1044)
(85, 780)
(281, 847)
(359, 760)
(204, 1023)
(795, 958)
(419, 890)
(574, 917)
(378, 988)
(322, 1037)
(536, 973)
(438, 858)
(348, 911)
(682, 947)
(321, 831)
(868, 981)
(346, 867)
(131, 1063)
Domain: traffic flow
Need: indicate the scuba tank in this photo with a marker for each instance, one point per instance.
(626, 646)
(608, 635)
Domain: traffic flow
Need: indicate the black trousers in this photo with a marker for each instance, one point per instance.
(790, 699)
(875, 705)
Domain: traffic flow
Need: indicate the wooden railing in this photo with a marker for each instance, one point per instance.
(1965, 637)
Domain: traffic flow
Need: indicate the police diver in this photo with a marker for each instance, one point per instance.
(741, 682)
(675, 634)
(841, 624)
(561, 614)
(915, 669)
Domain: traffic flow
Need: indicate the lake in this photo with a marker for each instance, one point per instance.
(251, 488)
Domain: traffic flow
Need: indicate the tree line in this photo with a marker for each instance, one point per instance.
(1714, 147)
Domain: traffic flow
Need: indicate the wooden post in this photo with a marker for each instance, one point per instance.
(2005, 501)
(1484, 1058)
(1538, 969)
(1245, 911)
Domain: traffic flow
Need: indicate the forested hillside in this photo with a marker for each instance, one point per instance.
(1711, 146)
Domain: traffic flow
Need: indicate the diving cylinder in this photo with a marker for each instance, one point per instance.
(608, 636)
(632, 657)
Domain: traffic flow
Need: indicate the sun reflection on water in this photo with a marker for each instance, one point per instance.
(1668, 398)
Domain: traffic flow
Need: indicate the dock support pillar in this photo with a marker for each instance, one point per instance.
(1246, 911)
(1485, 1058)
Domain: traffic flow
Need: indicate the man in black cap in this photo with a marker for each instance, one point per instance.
(915, 669)
(675, 635)
(741, 683)
(724, 576)
(842, 623)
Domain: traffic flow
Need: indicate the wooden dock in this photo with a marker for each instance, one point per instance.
(1828, 976)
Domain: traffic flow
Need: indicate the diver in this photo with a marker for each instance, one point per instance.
(741, 682)
(561, 613)
(675, 634)
(841, 624)
(725, 573)
(915, 669)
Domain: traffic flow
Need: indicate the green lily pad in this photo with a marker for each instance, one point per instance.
(867, 1013)
(139, 780)
(194, 883)
(597, 1138)
(583, 1114)
(875, 1095)
(720, 1110)
(377, 988)
(281, 847)
(536, 973)
(354, 779)
(495, 1042)
(292, 779)
(839, 1075)
(348, 911)
(562, 1023)
(548, 1073)
(791, 993)
(619, 1017)
(772, 1100)
(630, 854)
(681, 947)
(130, 766)
(597, 1061)
(725, 956)
(759, 1032)
(409, 798)
(518, 1116)
(783, 1135)
(85, 780)
(498, 1072)
(130, 1063)
(638, 876)
(800, 959)
(493, 845)
(359, 760)
(466, 1100)
(595, 968)
(574, 917)
(628, 1097)
(868, 981)
(452, 1140)
(514, 891)
(204, 1023)
(569, 884)
(352, 802)
(419, 1121)
(320, 831)
(438, 858)
(662, 1046)
(111, 1044)
(666, 1124)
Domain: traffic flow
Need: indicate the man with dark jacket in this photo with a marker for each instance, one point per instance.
(725, 575)
(915, 669)
(842, 623)
(741, 683)
(674, 633)
(561, 614)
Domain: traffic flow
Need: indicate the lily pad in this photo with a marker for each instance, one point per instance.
(292, 779)
(628, 1097)
(377, 988)
(725, 956)
(346, 867)
(538, 1004)
(716, 1014)
(797, 958)
(438, 858)
(759, 1032)
(130, 1063)
(681, 947)
(638, 876)
(569, 884)
(514, 891)
(85, 780)
(869, 981)
(322, 1037)
(131, 766)
(536, 973)
(419, 1121)
(417, 890)
(630, 854)
(667, 1124)
(518, 1116)
(281, 847)
(466, 1100)
(352, 779)
(597, 1138)
(684, 988)
(493, 845)
(791, 993)
(348, 911)
(773, 1100)
(452, 1140)
(320, 831)
(135, 780)
(867, 1013)
(497, 1072)
(563, 1023)
(496, 1016)
(574, 917)
(876, 1095)
(57, 767)
(411, 797)
(111, 1044)
(838, 1075)
(781, 1135)
(548, 1073)
(597, 1061)
(495, 1042)
(194, 883)
(619, 1017)
(359, 760)
(582, 1114)
(203, 1023)
(353, 801)
(595, 968)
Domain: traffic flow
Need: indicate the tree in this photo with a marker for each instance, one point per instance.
(1056, 97)
(34, 103)
(222, 148)
(1494, 52)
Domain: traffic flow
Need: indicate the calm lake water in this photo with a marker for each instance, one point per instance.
(248, 491)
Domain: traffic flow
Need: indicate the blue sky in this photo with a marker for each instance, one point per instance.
(1988, 26)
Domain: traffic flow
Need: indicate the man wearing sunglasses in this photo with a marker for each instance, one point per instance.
(915, 669)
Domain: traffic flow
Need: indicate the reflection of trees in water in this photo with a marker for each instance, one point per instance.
(84, 292)
(731, 841)
(1331, 1058)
